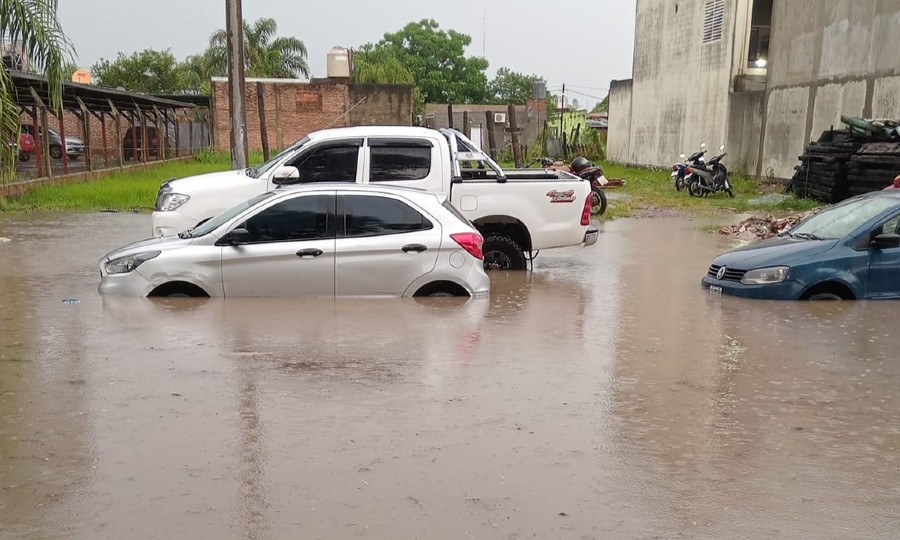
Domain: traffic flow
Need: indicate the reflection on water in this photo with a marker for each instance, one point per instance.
(602, 396)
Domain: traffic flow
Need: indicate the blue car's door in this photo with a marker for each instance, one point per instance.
(884, 266)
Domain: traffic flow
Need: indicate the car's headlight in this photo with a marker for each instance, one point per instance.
(123, 265)
(766, 276)
(171, 201)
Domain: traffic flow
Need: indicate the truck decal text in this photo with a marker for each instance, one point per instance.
(561, 196)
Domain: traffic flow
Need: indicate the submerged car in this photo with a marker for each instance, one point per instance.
(311, 240)
(849, 251)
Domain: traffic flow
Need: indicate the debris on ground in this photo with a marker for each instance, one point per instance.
(4, 239)
(760, 228)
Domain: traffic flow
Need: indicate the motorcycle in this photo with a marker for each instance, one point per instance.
(593, 174)
(586, 170)
(682, 172)
(710, 177)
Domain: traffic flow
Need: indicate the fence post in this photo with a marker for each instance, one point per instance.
(450, 115)
(263, 132)
(492, 141)
(514, 135)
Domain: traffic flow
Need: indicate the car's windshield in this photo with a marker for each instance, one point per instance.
(215, 222)
(843, 219)
(256, 172)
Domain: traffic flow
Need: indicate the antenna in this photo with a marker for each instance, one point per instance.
(484, 32)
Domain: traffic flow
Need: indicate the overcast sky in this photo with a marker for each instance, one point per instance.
(583, 43)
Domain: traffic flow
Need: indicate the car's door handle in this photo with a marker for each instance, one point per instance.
(418, 248)
(309, 253)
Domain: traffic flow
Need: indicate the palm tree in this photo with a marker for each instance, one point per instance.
(33, 29)
(264, 54)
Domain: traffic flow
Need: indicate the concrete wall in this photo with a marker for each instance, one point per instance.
(530, 118)
(679, 92)
(827, 58)
(381, 105)
(619, 142)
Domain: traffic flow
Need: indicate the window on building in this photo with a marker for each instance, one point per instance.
(713, 21)
(760, 29)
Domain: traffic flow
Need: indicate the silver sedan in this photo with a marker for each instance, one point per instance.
(313, 240)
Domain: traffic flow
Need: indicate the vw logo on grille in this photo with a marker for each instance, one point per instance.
(721, 273)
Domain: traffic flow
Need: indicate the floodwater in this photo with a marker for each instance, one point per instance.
(602, 396)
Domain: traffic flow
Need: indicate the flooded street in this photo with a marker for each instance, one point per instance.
(602, 396)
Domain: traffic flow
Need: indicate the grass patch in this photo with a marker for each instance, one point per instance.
(122, 192)
(645, 190)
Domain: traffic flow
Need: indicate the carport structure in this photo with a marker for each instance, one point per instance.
(87, 103)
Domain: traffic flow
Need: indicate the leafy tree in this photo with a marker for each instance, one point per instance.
(32, 24)
(603, 106)
(264, 54)
(437, 61)
(509, 87)
(151, 71)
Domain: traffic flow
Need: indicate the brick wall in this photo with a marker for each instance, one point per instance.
(294, 108)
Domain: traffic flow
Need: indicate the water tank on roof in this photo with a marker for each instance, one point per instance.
(338, 63)
(539, 89)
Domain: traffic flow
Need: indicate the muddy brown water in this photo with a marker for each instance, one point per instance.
(602, 396)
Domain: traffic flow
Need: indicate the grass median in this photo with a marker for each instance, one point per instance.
(645, 190)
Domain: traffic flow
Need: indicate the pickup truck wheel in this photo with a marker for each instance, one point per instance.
(502, 253)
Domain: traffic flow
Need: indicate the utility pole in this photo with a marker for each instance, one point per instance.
(562, 121)
(234, 31)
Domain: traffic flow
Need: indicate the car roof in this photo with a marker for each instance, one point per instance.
(405, 191)
(373, 131)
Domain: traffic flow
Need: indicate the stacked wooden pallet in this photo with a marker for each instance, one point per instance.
(822, 173)
(873, 167)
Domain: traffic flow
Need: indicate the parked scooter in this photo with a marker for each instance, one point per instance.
(710, 177)
(683, 171)
(593, 174)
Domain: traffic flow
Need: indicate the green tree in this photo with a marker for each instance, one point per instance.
(603, 106)
(264, 54)
(509, 87)
(150, 71)
(438, 63)
(33, 27)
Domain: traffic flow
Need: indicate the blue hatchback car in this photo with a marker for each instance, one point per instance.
(846, 252)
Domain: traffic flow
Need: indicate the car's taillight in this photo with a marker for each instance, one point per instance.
(586, 212)
(471, 242)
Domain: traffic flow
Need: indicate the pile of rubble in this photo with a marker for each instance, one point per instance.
(760, 228)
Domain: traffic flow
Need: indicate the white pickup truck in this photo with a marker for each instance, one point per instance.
(519, 212)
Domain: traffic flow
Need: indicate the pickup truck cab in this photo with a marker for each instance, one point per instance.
(518, 212)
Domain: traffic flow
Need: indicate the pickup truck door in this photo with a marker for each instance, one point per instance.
(290, 253)
(336, 160)
(405, 161)
(383, 244)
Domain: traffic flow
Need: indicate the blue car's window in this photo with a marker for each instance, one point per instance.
(843, 219)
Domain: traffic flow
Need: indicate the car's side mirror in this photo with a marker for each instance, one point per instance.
(237, 237)
(285, 174)
(884, 241)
